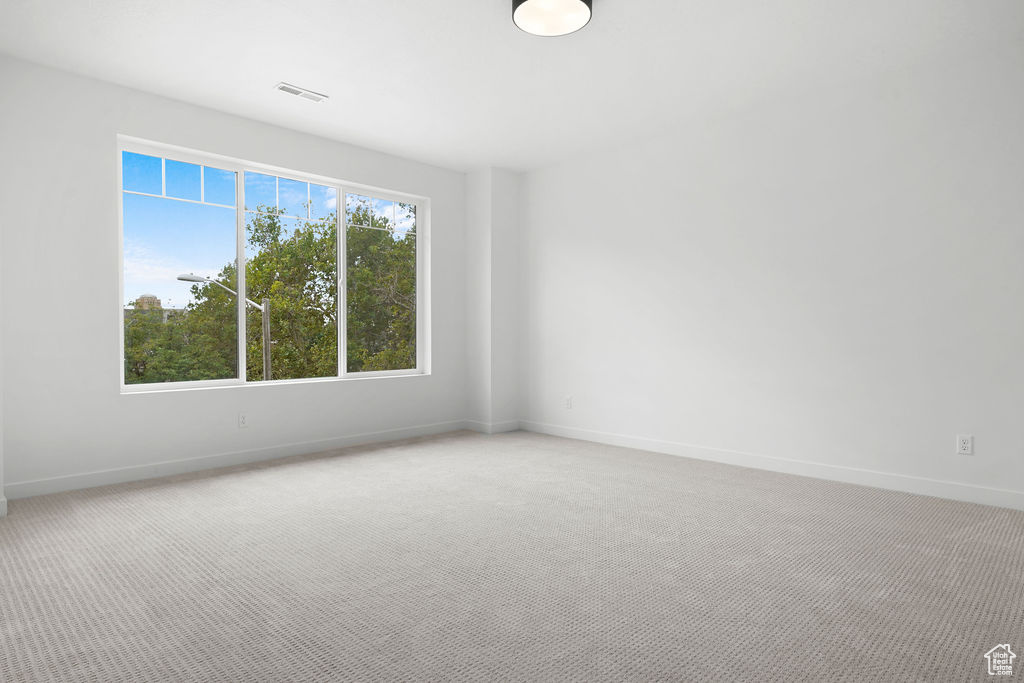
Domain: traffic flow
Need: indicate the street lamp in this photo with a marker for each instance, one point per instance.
(264, 309)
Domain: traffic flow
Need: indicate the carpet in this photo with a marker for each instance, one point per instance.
(513, 557)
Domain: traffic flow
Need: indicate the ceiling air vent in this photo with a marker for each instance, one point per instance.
(301, 92)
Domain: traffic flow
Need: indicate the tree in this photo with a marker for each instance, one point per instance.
(381, 295)
(298, 274)
(296, 270)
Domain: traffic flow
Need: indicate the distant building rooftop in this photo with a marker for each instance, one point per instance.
(147, 302)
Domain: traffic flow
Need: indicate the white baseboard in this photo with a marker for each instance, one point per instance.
(492, 427)
(850, 475)
(898, 482)
(38, 487)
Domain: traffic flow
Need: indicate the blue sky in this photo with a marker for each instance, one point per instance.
(165, 237)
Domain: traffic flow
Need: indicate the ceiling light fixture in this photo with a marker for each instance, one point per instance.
(551, 17)
(301, 92)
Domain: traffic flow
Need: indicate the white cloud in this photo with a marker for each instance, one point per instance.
(148, 273)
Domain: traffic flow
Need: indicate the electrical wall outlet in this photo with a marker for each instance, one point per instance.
(243, 421)
(568, 403)
(964, 444)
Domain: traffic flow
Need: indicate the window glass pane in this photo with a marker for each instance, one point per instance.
(405, 219)
(182, 304)
(183, 180)
(292, 266)
(219, 186)
(381, 289)
(260, 192)
(141, 173)
(178, 331)
(323, 201)
(291, 197)
(383, 214)
(357, 210)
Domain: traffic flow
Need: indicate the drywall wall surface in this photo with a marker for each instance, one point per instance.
(833, 279)
(3, 498)
(63, 412)
(478, 298)
(505, 296)
(493, 299)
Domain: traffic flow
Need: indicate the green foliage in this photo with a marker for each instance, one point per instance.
(177, 346)
(381, 296)
(295, 269)
(297, 274)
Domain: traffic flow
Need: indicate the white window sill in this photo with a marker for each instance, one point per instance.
(168, 387)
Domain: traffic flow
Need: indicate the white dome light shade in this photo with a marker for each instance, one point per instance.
(551, 17)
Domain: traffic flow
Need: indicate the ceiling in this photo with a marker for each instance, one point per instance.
(454, 83)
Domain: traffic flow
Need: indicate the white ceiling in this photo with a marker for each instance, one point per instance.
(454, 83)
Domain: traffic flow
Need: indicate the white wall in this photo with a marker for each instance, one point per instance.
(506, 298)
(3, 498)
(478, 298)
(63, 414)
(493, 299)
(835, 279)
(829, 284)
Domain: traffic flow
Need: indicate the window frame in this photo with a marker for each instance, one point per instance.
(343, 188)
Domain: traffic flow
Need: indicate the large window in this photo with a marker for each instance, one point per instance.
(329, 274)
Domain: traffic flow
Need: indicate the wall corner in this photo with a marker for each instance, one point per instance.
(493, 298)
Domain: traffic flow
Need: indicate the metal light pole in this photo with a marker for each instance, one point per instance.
(264, 309)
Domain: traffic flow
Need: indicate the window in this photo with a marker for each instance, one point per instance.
(291, 277)
(331, 274)
(380, 259)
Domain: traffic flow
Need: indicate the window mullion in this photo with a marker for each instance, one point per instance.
(422, 315)
(240, 271)
(342, 317)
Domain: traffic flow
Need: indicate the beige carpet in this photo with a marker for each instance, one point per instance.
(511, 557)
